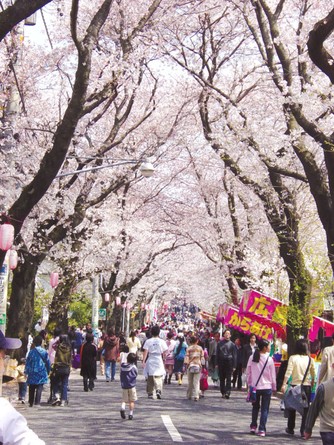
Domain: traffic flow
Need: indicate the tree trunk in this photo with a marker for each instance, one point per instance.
(58, 312)
(21, 309)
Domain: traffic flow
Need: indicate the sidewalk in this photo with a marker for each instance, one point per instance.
(93, 418)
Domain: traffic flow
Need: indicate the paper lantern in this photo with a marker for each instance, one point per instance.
(107, 297)
(6, 236)
(118, 301)
(54, 279)
(12, 259)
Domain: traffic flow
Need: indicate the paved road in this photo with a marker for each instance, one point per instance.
(93, 418)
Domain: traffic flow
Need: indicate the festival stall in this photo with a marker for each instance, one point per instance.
(263, 316)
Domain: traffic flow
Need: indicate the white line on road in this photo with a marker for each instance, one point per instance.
(173, 432)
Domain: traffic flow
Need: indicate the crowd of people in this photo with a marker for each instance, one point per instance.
(165, 351)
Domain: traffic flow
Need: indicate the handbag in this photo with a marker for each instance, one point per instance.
(194, 369)
(203, 383)
(61, 370)
(251, 395)
(295, 398)
(76, 361)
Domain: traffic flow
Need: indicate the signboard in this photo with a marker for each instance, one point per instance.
(102, 314)
(232, 318)
(264, 309)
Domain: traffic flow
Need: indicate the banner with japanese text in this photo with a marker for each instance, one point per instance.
(232, 318)
(264, 309)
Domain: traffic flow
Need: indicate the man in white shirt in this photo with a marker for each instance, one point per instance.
(13, 426)
(154, 368)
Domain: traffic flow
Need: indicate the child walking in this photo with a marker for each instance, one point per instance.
(22, 381)
(129, 374)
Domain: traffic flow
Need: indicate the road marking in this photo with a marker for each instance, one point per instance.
(173, 432)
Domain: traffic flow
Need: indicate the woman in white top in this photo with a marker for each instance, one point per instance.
(297, 366)
(133, 344)
(261, 374)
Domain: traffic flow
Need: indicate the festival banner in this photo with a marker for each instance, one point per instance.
(320, 323)
(232, 318)
(264, 309)
(261, 315)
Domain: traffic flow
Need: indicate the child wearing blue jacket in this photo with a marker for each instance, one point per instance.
(129, 374)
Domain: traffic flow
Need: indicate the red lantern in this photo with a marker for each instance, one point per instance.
(12, 259)
(54, 279)
(6, 236)
(107, 297)
(118, 301)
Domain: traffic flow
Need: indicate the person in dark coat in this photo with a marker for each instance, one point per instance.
(248, 350)
(88, 363)
(227, 363)
(61, 370)
(237, 373)
(111, 353)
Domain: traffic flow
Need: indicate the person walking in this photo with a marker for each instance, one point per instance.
(88, 363)
(301, 369)
(133, 343)
(248, 350)
(100, 356)
(322, 406)
(37, 369)
(154, 369)
(261, 374)
(237, 373)
(22, 380)
(169, 357)
(61, 370)
(227, 363)
(111, 353)
(213, 366)
(326, 371)
(179, 356)
(128, 377)
(193, 361)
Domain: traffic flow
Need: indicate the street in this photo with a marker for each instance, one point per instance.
(93, 418)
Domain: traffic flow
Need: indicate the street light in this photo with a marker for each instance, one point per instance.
(146, 168)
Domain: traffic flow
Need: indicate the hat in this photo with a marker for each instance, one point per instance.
(9, 343)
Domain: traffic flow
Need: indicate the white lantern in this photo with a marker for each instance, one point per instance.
(118, 301)
(107, 297)
(147, 169)
(54, 279)
(6, 236)
(12, 259)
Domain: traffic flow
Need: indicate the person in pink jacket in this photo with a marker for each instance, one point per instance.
(265, 384)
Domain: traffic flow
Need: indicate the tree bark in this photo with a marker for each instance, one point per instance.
(20, 10)
(317, 52)
(22, 299)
